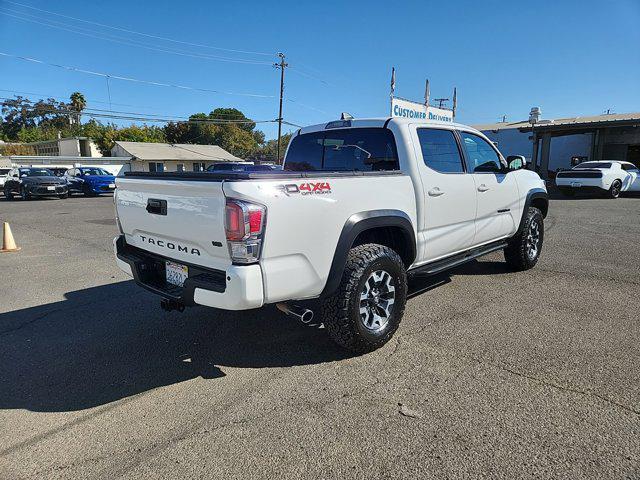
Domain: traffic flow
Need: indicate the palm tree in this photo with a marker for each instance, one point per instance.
(78, 103)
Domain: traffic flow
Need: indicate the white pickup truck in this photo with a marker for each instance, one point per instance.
(359, 206)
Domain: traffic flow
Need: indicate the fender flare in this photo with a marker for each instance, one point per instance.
(361, 222)
(533, 194)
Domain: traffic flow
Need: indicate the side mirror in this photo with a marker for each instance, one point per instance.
(516, 162)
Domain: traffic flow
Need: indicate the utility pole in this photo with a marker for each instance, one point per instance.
(282, 65)
(440, 101)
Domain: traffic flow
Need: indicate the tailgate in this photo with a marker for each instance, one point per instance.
(182, 220)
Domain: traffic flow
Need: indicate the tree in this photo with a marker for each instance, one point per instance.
(20, 113)
(78, 104)
(270, 149)
(218, 128)
(232, 114)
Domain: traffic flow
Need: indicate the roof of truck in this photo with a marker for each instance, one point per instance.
(379, 122)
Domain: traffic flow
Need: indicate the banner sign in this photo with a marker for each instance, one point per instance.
(402, 108)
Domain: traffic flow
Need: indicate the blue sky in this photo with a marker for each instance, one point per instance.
(568, 57)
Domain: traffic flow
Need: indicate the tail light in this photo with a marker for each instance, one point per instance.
(244, 226)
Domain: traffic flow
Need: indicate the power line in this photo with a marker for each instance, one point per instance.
(111, 38)
(154, 83)
(160, 118)
(157, 37)
(45, 95)
(131, 79)
(55, 97)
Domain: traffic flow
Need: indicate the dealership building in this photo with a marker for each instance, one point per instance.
(564, 142)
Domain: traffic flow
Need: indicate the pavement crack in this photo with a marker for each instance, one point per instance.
(29, 322)
(557, 386)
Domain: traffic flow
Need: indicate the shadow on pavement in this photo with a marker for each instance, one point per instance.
(105, 343)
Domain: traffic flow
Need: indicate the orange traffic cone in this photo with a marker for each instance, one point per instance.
(8, 243)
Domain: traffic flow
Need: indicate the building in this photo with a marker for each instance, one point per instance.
(160, 157)
(564, 142)
(114, 165)
(66, 147)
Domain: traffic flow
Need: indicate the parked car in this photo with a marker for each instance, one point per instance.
(241, 167)
(91, 181)
(34, 182)
(609, 177)
(361, 205)
(3, 176)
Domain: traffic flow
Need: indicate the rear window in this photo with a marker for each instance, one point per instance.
(593, 165)
(352, 149)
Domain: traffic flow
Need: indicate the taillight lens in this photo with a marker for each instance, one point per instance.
(234, 221)
(244, 225)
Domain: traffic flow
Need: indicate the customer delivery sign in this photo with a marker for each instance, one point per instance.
(402, 108)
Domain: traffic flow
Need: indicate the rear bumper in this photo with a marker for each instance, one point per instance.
(583, 189)
(236, 288)
(582, 183)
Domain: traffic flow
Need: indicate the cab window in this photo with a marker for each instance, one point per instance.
(481, 156)
(440, 150)
(348, 149)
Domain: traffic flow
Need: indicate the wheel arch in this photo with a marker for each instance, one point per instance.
(392, 228)
(538, 198)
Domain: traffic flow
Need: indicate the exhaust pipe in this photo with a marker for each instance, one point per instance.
(168, 305)
(303, 314)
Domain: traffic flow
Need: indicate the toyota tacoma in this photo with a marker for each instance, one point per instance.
(360, 205)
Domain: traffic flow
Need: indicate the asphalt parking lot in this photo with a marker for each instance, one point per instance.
(492, 374)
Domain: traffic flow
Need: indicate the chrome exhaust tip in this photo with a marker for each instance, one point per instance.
(303, 314)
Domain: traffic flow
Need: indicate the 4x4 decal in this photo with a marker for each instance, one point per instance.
(318, 188)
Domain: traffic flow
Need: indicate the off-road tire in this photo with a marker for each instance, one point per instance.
(340, 311)
(614, 190)
(8, 194)
(518, 253)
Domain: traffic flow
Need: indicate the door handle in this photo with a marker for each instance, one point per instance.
(482, 188)
(157, 207)
(435, 192)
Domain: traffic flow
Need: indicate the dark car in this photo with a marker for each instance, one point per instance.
(241, 167)
(34, 182)
(90, 180)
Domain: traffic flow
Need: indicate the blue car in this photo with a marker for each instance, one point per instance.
(91, 181)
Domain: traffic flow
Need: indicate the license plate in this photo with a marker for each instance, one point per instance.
(51, 188)
(176, 273)
(112, 185)
(576, 184)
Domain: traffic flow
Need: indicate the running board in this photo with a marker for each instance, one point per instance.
(450, 262)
